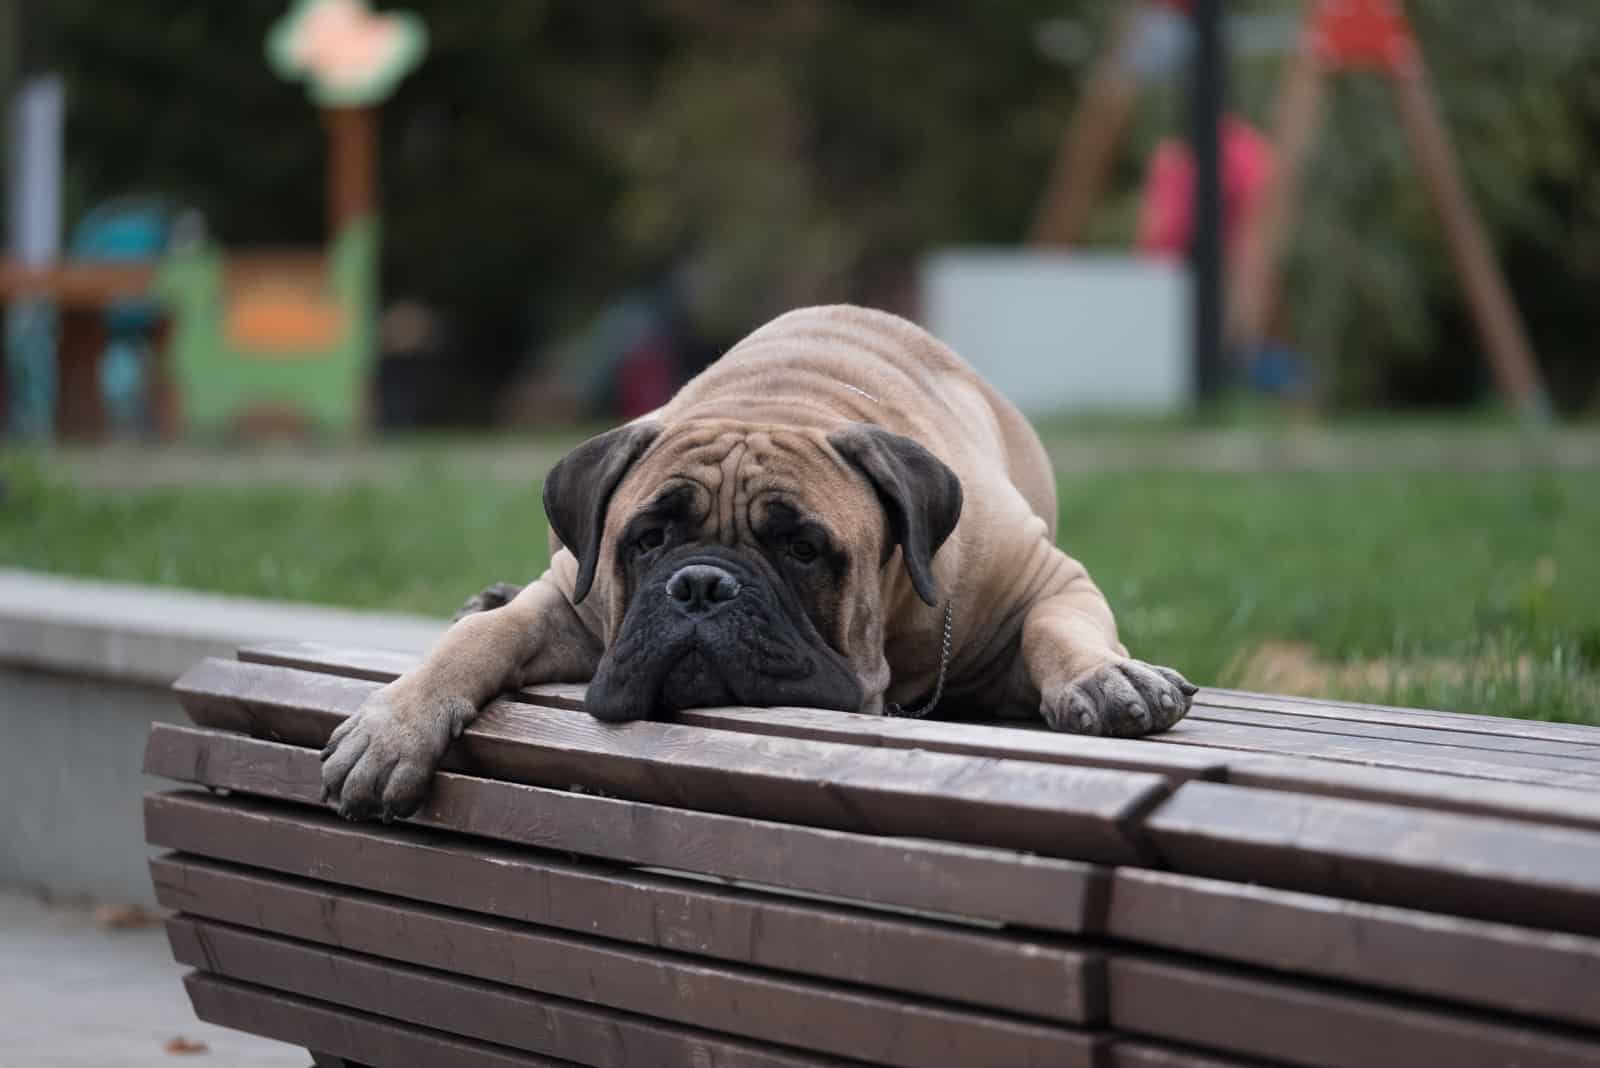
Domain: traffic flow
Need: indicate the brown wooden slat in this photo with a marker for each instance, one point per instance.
(1126, 1053)
(1544, 804)
(1506, 726)
(843, 1021)
(1082, 813)
(587, 1031)
(356, 1036)
(1496, 966)
(814, 724)
(1323, 1027)
(1538, 770)
(955, 880)
(1494, 748)
(1554, 805)
(1545, 877)
(906, 955)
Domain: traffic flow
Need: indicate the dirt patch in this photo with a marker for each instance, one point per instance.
(1290, 667)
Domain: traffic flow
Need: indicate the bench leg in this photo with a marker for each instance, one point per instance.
(328, 1060)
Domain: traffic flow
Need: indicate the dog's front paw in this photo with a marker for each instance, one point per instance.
(1125, 699)
(379, 761)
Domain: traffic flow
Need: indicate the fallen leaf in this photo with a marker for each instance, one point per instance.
(181, 1045)
(124, 917)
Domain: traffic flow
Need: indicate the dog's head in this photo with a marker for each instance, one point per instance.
(743, 564)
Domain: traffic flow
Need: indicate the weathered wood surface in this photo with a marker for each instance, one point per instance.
(1017, 974)
(1547, 877)
(1549, 805)
(941, 877)
(1537, 973)
(1316, 708)
(1249, 1013)
(1329, 885)
(1575, 772)
(1134, 1054)
(357, 1036)
(1291, 1023)
(1471, 764)
(1082, 813)
(1500, 748)
(841, 1023)
(976, 739)
(589, 1033)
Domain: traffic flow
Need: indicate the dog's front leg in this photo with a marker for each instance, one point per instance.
(1085, 680)
(381, 759)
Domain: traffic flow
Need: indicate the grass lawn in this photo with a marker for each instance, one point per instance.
(1469, 591)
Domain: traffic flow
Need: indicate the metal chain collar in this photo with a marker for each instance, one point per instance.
(892, 709)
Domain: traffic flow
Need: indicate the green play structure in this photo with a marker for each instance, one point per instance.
(295, 344)
(292, 337)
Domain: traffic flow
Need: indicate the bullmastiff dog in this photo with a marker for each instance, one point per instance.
(839, 513)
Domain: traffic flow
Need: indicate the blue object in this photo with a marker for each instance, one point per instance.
(1280, 371)
(30, 348)
(123, 230)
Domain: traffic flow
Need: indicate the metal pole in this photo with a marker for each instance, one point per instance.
(1205, 253)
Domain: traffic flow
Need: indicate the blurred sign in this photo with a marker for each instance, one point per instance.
(1061, 332)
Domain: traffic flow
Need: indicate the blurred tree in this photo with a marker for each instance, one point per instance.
(551, 153)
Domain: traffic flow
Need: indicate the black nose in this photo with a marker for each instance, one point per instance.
(701, 587)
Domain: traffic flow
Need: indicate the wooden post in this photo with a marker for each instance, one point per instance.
(1510, 355)
(352, 164)
(1255, 281)
(1207, 94)
(1083, 160)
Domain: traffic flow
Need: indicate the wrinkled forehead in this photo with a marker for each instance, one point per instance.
(733, 475)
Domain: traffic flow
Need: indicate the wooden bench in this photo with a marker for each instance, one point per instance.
(1275, 881)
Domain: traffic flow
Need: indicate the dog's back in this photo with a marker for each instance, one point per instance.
(864, 365)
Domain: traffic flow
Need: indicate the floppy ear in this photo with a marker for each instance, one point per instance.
(578, 490)
(921, 496)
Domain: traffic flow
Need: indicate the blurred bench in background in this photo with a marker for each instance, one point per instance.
(1275, 881)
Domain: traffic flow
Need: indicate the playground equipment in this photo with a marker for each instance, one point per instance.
(1336, 36)
(255, 337)
(291, 336)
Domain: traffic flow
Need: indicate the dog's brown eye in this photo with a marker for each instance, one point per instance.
(802, 550)
(651, 539)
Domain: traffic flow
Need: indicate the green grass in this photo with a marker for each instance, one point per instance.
(1476, 592)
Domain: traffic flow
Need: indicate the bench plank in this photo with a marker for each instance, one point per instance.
(355, 1036)
(842, 1021)
(1539, 973)
(585, 1031)
(940, 877)
(1321, 1027)
(912, 956)
(1133, 1054)
(1375, 753)
(1494, 748)
(1503, 726)
(977, 739)
(1545, 877)
(1081, 813)
(1551, 805)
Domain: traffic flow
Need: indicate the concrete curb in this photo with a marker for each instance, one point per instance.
(85, 668)
(153, 634)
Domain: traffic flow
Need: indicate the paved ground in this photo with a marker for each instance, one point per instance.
(76, 995)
